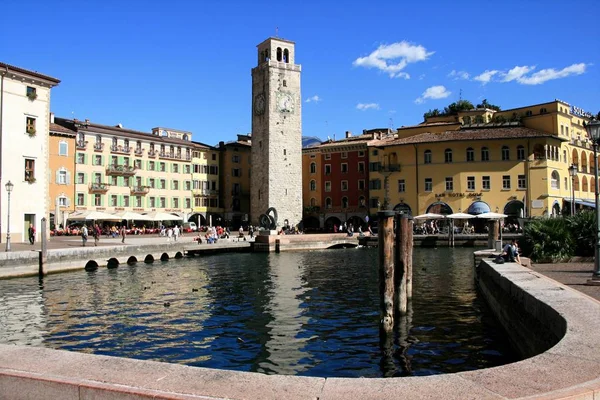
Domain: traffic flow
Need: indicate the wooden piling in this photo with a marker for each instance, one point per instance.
(403, 261)
(386, 270)
(493, 229)
(43, 255)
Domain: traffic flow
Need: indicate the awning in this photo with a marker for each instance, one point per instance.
(583, 202)
(478, 207)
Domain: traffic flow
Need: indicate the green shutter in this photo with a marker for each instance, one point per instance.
(85, 157)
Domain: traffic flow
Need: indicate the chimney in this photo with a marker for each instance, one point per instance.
(51, 117)
(348, 134)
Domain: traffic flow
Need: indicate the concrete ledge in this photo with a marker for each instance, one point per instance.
(569, 369)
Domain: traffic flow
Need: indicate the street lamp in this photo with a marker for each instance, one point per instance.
(573, 174)
(9, 187)
(593, 129)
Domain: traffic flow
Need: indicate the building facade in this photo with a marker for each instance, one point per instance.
(205, 185)
(24, 148)
(276, 133)
(61, 173)
(236, 163)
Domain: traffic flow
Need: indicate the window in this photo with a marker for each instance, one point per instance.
(562, 129)
(543, 111)
(470, 154)
(375, 152)
(521, 153)
(328, 156)
(187, 185)
(485, 183)
(186, 169)
(361, 153)
(327, 169)
(175, 202)
(61, 177)
(97, 200)
(151, 182)
(125, 181)
(344, 154)
(375, 184)
(80, 199)
(152, 202)
(113, 180)
(328, 186)
(554, 180)
(427, 157)
(428, 185)
(505, 153)
(175, 185)
(138, 201)
(449, 184)
(566, 130)
(63, 149)
(125, 201)
(344, 186)
(151, 166)
(401, 185)
(344, 168)
(528, 113)
(114, 160)
(374, 202)
(163, 184)
(344, 202)
(163, 202)
(470, 183)
(313, 185)
(505, 182)
(97, 159)
(313, 168)
(161, 167)
(30, 126)
(485, 154)
(98, 178)
(138, 164)
(62, 201)
(361, 184)
(80, 158)
(113, 200)
(235, 159)
(29, 170)
(236, 172)
(80, 178)
(328, 202)
(521, 182)
(31, 93)
(448, 156)
(361, 167)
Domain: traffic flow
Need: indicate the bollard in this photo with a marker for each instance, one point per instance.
(493, 226)
(386, 270)
(277, 245)
(403, 261)
(44, 252)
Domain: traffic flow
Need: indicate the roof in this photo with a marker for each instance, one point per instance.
(29, 72)
(513, 132)
(61, 129)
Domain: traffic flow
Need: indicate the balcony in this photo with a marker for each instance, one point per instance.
(169, 155)
(205, 192)
(138, 152)
(140, 190)
(98, 146)
(120, 170)
(120, 149)
(81, 144)
(98, 187)
(152, 153)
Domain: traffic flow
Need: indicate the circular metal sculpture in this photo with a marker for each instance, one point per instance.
(269, 219)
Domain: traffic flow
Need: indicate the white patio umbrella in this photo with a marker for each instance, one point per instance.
(161, 216)
(460, 215)
(492, 215)
(430, 216)
(93, 216)
(133, 216)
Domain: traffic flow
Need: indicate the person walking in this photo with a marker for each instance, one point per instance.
(97, 234)
(176, 232)
(169, 234)
(123, 234)
(31, 233)
(84, 234)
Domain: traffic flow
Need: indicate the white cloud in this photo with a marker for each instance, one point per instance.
(393, 58)
(434, 92)
(549, 74)
(517, 73)
(314, 99)
(459, 75)
(367, 106)
(486, 76)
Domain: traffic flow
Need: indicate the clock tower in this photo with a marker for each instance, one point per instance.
(276, 178)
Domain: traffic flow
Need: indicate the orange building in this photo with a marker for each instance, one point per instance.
(62, 170)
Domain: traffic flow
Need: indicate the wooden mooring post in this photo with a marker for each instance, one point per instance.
(386, 270)
(44, 252)
(493, 233)
(403, 261)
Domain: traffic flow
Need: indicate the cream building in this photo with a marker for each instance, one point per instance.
(24, 128)
(207, 209)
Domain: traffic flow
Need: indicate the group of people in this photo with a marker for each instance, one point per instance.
(510, 252)
(95, 231)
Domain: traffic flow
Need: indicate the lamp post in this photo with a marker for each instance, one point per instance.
(573, 174)
(9, 187)
(593, 129)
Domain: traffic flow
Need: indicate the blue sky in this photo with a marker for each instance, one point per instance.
(186, 64)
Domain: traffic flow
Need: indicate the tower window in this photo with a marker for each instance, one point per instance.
(279, 55)
(284, 83)
(286, 56)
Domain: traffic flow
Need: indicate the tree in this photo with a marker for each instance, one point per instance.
(455, 107)
(432, 113)
(485, 104)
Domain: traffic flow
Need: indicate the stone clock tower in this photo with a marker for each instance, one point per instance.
(276, 175)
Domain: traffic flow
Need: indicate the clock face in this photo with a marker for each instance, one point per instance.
(285, 102)
(259, 104)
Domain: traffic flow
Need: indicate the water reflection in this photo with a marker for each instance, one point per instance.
(313, 313)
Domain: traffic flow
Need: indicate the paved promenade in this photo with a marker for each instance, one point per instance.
(573, 275)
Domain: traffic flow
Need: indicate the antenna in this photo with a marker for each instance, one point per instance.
(391, 124)
(276, 31)
(460, 95)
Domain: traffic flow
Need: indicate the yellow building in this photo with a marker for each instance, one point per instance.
(235, 181)
(62, 170)
(514, 161)
(205, 185)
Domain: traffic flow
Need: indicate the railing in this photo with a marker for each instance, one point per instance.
(140, 190)
(152, 153)
(98, 146)
(205, 192)
(98, 187)
(164, 154)
(81, 144)
(138, 152)
(122, 170)
(120, 149)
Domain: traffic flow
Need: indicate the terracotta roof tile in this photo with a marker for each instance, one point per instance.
(60, 129)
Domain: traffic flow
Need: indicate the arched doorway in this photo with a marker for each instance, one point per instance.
(403, 208)
(515, 209)
(439, 207)
(311, 224)
(356, 221)
(555, 209)
(330, 222)
(478, 207)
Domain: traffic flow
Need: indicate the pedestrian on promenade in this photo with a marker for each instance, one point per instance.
(176, 232)
(96, 232)
(31, 234)
(123, 234)
(169, 234)
(84, 234)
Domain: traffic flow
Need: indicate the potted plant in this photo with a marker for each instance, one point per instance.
(30, 180)
(32, 95)
(31, 131)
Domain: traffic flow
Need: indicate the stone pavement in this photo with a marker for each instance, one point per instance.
(574, 275)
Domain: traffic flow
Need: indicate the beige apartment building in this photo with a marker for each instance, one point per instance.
(119, 169)
(235, 180)
(207, 209)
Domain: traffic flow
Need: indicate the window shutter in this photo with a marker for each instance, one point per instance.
(68, 202)
(84, 199)
(85, 178)
(68, 177)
